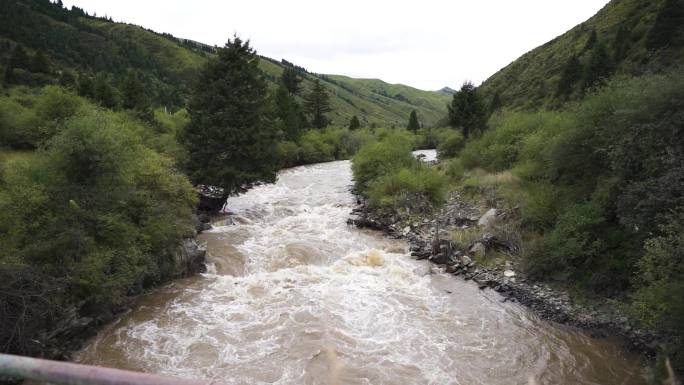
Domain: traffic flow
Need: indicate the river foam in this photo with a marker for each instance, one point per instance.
(294, 296)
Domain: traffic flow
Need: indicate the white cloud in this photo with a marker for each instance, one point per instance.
(426, 44)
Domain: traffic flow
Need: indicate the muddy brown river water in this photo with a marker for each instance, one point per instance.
(295, 296)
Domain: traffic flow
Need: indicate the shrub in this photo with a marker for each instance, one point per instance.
(382, 158)
(658, 300)
(96, 209)
(409, 188)
(18, 125)
(450, 144)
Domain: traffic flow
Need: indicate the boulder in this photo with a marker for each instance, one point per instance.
(478, 249)
(440, 258)
(189, 258)
(488, 218)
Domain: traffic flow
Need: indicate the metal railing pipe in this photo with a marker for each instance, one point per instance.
(66, 373)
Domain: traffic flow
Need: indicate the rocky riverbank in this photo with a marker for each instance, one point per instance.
(428, 237)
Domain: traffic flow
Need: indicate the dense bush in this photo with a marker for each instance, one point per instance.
(659, 302)
(408, 188)
(450, 144)
(598, 187)
(317, 146)
(388, 174)
(378, 159)
(28, 118)
(97, 212)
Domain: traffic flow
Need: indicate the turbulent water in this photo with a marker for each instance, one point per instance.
(295, 296)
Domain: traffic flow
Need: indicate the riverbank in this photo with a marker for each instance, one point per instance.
(81, 321)
(427, 236)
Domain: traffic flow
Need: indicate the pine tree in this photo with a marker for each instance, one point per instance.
(621, 44)
(231, 138)
(317, 104)
(104, 92)
(413, 124)
(40, 63)
(572, 73)
(289, 112)
(291, 80)
(18, 60)
(591, 41)
(133, 93)
(496, 103)
(354, 123)
(666, 28)
(598, 68)
(467, 110)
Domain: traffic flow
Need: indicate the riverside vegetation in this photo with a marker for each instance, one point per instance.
(102, 140)
(103, 127)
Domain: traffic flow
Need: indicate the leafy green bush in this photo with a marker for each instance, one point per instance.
(658, 300)
(18, 125)
(375, 160)
(450, 144)
(317, 146)
(97, 210)
(408, 188)
(499, 148)
(453, 169)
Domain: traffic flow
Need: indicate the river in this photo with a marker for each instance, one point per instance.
(295, 296)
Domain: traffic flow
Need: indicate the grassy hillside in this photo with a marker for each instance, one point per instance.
(83, 45)
(638, 37)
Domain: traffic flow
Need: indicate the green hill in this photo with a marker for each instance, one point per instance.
(626, 37)
(81, 45)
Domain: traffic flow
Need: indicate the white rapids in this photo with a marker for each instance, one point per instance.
(295, 296)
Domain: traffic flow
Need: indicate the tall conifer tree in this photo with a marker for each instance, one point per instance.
(317, 104)
(230, 138)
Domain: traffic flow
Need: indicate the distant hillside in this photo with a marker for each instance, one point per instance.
(78, 44)
(628, 37)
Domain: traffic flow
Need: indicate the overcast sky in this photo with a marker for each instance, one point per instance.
(427, 44)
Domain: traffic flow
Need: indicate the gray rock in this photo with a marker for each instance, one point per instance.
(488, 218)
(478, 249)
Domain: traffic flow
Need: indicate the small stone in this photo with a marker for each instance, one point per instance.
(487, 218)
(509, 273)
(478, 249)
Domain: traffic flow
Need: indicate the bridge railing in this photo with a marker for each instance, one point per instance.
(66, 373)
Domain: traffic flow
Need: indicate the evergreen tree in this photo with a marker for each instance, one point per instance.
(19, 59)
(413, 124)
(496, 103)
(40, 63)
(104, 92)
(598, 68)
(291, 80)
(289, 112)
(621, 44)
(354, 123)
(572, 73)
(467, 110)
(666, 29)
(85, 86)
(317, 104)
(134, 96)
(591, 41)
(231, 138)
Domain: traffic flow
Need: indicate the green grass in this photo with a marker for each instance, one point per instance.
(8, 156)
(531, 81)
